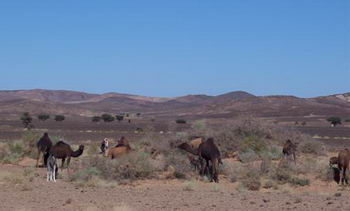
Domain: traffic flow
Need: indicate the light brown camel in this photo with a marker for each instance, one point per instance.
(343, 165)
(117, 151)
(196, 142)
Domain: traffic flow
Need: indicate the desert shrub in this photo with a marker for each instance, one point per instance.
(133, 166)
(252, 181)
(265, 165)
(85, 174)
(181, 121)
(27, 119)
(59, 118)
(325, 174)
(296, 181)
(96, 118)
(248, 156)
(188, 186)
(13, 151)
(43, 117)
(270, 184)
(253, 143)
(311, 147)
(93, 149)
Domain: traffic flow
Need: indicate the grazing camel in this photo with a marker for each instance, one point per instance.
(209, 152)
(44, 145)
(104, 145)
(63, 151)
(196, 142)
(195, 162)
(289, 149)
(343, 164)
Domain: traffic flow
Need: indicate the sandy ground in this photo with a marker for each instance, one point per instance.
(163, 195)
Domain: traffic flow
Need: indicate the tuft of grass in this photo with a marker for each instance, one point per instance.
(188, 186)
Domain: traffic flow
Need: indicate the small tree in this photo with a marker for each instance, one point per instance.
(181, 121)
(59, 118)
(107, 118)
(138, 114)
(96, 119)
(119, 117)
(27, 120)
(43, 117)
(334, 121)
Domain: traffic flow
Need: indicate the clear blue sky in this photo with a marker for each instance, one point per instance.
(178, 47)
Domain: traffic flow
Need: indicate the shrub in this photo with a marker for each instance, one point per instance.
(119, 117)
(96, 119)
(334, 120)
(252, 181)
(59, 118)
(248, 156)
(180, 121)
(299, 181)
(43, 117)
(253, 143)
(311, 147)
(27, 119)
(107, 118)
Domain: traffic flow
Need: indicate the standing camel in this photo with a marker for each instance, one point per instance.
(43, 145)
(289, 149)
(63, 151)
(208, 151)
(343, 165)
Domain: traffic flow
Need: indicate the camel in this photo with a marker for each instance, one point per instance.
(122, 142)
(333, 164)
(209, 152)
(63, 151)
(289, 149)
(117, 151)
(104, 145)
(195, 162)
(44, 145)
(120, 149)
(343, 165)
(196, 142)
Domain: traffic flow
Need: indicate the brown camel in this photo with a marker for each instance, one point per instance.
(289, 149)
(343, 164)
(63, 151)
(117, 151)
(44, 145)
(122, 142)
(209, 152)
(333, 164)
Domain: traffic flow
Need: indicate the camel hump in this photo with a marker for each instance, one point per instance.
(210, 140)
(59, 143)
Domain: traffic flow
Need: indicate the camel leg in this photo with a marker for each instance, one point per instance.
(37, 160)
(68, 161)
(63, 160)
(215, 170)
(203, 167)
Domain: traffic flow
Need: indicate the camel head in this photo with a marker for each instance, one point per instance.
(333, 162)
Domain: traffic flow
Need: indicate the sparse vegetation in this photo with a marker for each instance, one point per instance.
(334, 121)
(43, 117)
(96, 118)
(181, 121)
(27, 119)
(119, 117)
(59, 118)
(107, 118)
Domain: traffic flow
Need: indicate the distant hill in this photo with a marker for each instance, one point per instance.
(14, 102)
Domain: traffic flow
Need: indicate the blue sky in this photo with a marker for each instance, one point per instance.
(173, 48)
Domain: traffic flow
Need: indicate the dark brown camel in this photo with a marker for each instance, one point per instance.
(208, 151)
(289, 149)
(64, 151)
(43, 145)
(333, 164)
(343, 165)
